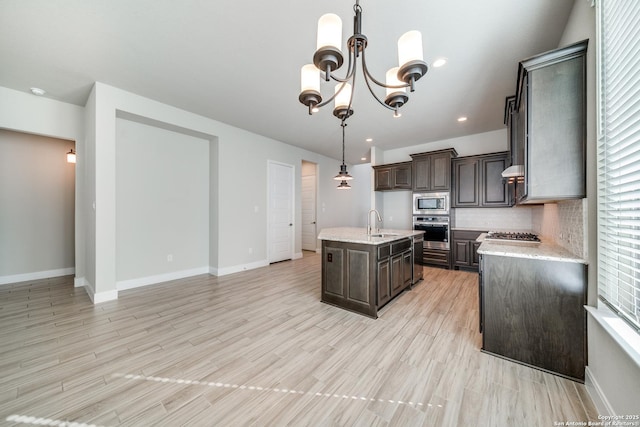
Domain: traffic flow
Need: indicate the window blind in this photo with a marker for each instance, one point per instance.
(619, 158)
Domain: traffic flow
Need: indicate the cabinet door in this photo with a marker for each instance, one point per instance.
(440, 171)
(383, 179)
(461, 253)
(402, 177)
(495, 189)
(397, 274)
(475, 257)
(384, 282)
(407, 268)
(421, 171)
(465, 183)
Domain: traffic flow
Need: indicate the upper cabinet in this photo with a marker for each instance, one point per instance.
(478, 182)
(432, 170)
(549, 116)
(396, 176)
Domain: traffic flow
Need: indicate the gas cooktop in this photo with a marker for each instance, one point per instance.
(515, 237)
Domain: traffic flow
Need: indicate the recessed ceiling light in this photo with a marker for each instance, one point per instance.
(37, 91)
(462, 119)
(439, 62)
(369, 139)
(363, 158)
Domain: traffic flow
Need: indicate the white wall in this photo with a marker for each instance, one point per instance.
(162, 204)
(237, 184)
(23, 112)
(37, 190)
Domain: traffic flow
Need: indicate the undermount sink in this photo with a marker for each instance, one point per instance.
(383, 234)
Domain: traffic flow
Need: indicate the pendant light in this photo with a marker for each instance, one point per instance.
(328, 58)
(71, 156)
(343, 175)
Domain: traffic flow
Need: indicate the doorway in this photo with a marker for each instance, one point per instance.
(281, 211)
(309, 209)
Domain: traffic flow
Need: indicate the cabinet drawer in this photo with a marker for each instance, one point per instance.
(384, 251)
(466, 234)
(400, 246)
(437, 257)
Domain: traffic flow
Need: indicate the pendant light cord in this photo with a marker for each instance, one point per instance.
(343, 124)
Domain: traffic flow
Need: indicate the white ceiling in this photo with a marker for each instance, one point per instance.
(239, 61)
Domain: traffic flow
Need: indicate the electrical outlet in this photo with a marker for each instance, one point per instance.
(169, 258)
(250, 250)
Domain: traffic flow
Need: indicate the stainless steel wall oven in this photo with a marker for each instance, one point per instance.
(436, 230)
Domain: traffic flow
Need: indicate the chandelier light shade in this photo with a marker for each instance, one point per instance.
(344, 185)
(328, 58)
(71, 156)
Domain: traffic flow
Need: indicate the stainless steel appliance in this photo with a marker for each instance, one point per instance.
(515, 237)
(436, 231)
(418, 242)
(431, 203)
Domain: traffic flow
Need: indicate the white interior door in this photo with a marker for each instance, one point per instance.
(309, 235)
(280, 212)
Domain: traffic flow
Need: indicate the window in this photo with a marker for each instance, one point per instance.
(619, 158)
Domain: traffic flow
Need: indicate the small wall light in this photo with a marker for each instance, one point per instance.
(71, 156)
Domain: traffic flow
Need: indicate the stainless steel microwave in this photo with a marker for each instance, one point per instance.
(431, 203)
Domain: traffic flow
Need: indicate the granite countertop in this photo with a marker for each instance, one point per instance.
(359, 235)
(545, 250)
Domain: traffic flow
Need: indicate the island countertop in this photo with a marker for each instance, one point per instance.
(359, 235)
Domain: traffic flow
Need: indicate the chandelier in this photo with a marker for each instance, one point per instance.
(343, 175)
(328, 58)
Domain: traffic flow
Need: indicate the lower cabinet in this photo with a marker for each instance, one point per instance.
(465, 249)
(363, 277)
(532, 312)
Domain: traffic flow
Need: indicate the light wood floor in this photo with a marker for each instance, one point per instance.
(259, 348)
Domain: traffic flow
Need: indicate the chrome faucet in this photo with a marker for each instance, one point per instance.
(369, 221)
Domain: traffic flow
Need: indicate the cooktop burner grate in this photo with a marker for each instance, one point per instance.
(518, 237)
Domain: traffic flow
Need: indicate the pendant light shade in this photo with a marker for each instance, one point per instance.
(344, 185)
(71, 156)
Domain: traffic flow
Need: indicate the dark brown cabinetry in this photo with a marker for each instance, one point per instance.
(432, 170)
(478, 182)
(396, 176)
(551, 125)
(361, 277)
(465, 249)
(532, 311)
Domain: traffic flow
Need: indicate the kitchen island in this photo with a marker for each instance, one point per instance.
(532, 306)
(362, 272)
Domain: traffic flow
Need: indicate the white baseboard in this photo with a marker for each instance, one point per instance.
(237, 268)
(597, 395)
(297, 255)
(79, 282)
(98, 297)
(36, 275)
(151, 280)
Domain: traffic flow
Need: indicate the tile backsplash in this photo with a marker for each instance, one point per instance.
(494, 219)
(563, 223)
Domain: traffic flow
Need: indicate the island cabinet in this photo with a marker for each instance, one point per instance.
(478, 182)
(396, 176)
(551, 125)
(465, 249)
(532, 312)
(432, 170)
(364, 277)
